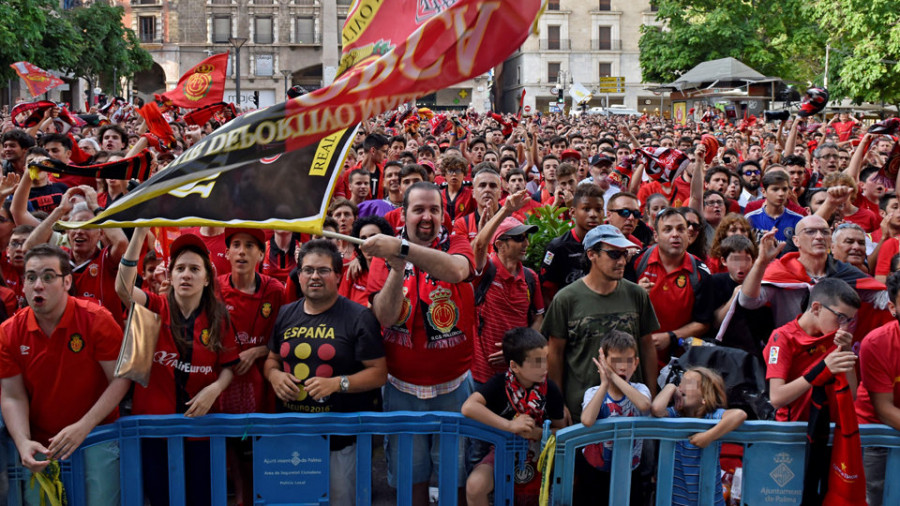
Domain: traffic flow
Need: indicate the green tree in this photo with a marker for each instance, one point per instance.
(775, 37)
(865, 37)
(23, 24)
(107, 47)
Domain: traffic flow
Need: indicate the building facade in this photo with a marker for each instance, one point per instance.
(582, 41)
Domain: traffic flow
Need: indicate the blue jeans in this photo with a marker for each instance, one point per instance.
(426, 448)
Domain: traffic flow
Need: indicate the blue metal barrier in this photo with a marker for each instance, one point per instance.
(772, 462)
(129, 431)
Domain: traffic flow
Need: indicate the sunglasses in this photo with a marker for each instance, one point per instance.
(517, 238)
(694, 225)
(752, 172)
(625, 213)
(615, 254)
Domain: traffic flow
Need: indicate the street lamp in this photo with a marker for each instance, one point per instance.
(286, 73)
(236, 43)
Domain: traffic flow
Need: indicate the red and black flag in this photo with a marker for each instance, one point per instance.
(134, 167)
(221, 112)
(392, 53)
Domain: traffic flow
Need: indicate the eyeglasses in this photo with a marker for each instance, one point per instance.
(829, 157)
(841, 317)
(321, 271)
(46, 277)
(625, 213)
(16, 244)
(615, 254)
(714, 203)
(749, 173)
(693, 224)
(812, 232)
(516, 238)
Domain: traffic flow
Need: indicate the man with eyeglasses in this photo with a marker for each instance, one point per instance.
(826, 159)
(677, 282)
(582, 314)
(58, 336)
(751, 175)
(326, 355)
(783, 283)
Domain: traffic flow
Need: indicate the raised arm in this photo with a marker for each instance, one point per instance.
(125, 288)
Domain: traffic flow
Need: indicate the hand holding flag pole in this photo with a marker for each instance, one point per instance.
(342, 237)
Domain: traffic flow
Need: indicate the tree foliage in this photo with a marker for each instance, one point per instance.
(775, 37)
(865, 37)
(86, 42)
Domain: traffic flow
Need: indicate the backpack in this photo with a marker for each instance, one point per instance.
(693, 277)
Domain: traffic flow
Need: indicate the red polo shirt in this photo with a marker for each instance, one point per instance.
(879, 365)
(62, 372)
(96, 280)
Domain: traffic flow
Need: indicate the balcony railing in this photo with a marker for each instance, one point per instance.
(556, 44)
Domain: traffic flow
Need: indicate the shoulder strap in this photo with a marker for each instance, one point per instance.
(486, 278)
(531, 283)
(695, 275)
(643, 261)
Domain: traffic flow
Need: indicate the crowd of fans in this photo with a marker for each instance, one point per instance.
(775, 239)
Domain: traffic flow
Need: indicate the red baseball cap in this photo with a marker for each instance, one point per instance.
(187, 241)
(570, 153)
(255, 233)
(511, 226)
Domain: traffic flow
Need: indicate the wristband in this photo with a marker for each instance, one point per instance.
(673, 339)
(819, 375)
(98, 211)
(128, 263)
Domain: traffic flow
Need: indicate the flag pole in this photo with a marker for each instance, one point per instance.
(342, 237)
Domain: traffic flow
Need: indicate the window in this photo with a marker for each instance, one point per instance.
(605, 69)
(262, 30)
(604, 37)
(221, 28)
(340, 28)
(147, 28)
(519, 74)
(605, 5)
(552, 72)
(654, 7)
(553, 5)
(553, 37)
(306, 30)
(264, 65)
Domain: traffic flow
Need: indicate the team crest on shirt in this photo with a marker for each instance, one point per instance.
(76, 343)
(93, 270)
(548, 258)
(818, 349)
(405, 308)
(773, 355)
(204, 337)
(266, 310)
(442, 313)
(681, 281)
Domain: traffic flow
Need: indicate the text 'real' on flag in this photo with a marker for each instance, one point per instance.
(394, 52)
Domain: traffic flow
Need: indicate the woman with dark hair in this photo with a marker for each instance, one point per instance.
(696, 235)
(363, 228)
(731, 224)
(192, 363)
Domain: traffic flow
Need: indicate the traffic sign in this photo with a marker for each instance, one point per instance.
(619, 79)
(554, 90)
(610, 89)
(527, 108)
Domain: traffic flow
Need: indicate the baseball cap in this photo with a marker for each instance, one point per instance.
(255, 233)
(607, 234)
(511, 226)
(187, 241)
(600, 160)
(570, 153)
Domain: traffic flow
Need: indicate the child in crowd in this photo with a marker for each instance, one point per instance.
(615, 396)
(701, 394)
(517, 401)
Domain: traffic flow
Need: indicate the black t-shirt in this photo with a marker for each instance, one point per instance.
(749, 329)
(329, 344)
(47, 198)
(494, 393)
(562, 261)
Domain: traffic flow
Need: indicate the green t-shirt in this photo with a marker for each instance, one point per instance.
(583, 318)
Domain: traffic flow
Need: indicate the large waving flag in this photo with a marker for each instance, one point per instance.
(394, 51)
(201, 86)
(38, 80)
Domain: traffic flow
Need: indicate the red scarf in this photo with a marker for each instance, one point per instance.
(527, 401)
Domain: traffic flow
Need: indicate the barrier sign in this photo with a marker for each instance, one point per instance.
(291, 469)
(773, 474)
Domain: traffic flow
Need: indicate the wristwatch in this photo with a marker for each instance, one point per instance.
(404, 248)
(345, 384)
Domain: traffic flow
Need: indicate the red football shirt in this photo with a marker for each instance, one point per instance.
(432, 341)
(62, 372)
(789, 354)
(96, 280)
(879, 365)
(177, 376)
